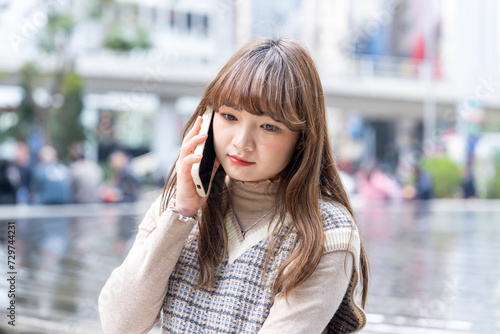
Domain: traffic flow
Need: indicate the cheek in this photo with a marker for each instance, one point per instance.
(220, 134)
(282, 150)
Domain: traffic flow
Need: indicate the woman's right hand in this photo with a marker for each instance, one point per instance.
(188, 202)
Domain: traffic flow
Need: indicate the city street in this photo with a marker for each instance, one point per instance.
(435, 266)
(99, 103)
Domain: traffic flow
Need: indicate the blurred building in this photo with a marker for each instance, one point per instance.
(136, 99)
(402, 78)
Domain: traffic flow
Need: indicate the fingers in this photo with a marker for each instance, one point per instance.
(185, 165)
(192, 139)
(188, 147)
(194, 130)
(188, 199)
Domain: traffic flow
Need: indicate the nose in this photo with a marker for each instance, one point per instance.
(243, 139)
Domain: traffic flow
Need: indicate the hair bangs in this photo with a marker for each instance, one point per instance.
(262, 84)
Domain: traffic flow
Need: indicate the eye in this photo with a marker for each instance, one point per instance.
(229, 117)
(270, 127)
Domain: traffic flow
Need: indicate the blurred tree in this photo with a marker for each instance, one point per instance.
(52, 41)
(60, 123)
(124, 32)
(445, 174)
(494, 186)
(27, 110)
(64, 123)
(493, 190)
(56, 33)
(123, 39)
(59, 114)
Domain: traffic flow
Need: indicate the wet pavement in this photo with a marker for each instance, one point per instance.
(435, 267)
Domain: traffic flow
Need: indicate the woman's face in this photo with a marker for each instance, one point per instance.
(249, 147)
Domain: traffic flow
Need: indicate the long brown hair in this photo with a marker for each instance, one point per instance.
(276, 78)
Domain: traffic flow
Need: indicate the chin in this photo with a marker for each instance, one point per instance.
(240, 176)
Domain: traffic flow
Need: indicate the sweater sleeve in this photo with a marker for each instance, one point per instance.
(131, 299)
(312, 304)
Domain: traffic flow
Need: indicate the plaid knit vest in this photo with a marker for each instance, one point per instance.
(240, 300)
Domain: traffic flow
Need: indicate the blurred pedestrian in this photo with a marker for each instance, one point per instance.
(24, 166)
(468, 184)
(9, 182)
(123, 186)
(423, 184)
(374, 184)
(51, 180)
(86, 176)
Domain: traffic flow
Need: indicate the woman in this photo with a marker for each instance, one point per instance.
(274, 248)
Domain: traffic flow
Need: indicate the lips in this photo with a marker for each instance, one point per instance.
(239, 161)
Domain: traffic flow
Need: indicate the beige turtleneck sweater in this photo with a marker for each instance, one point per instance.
(131, 300)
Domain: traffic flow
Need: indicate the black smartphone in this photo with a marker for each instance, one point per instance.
(202, 171)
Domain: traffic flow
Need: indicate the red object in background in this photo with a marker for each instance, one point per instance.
(110, 195)
(418, 53)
